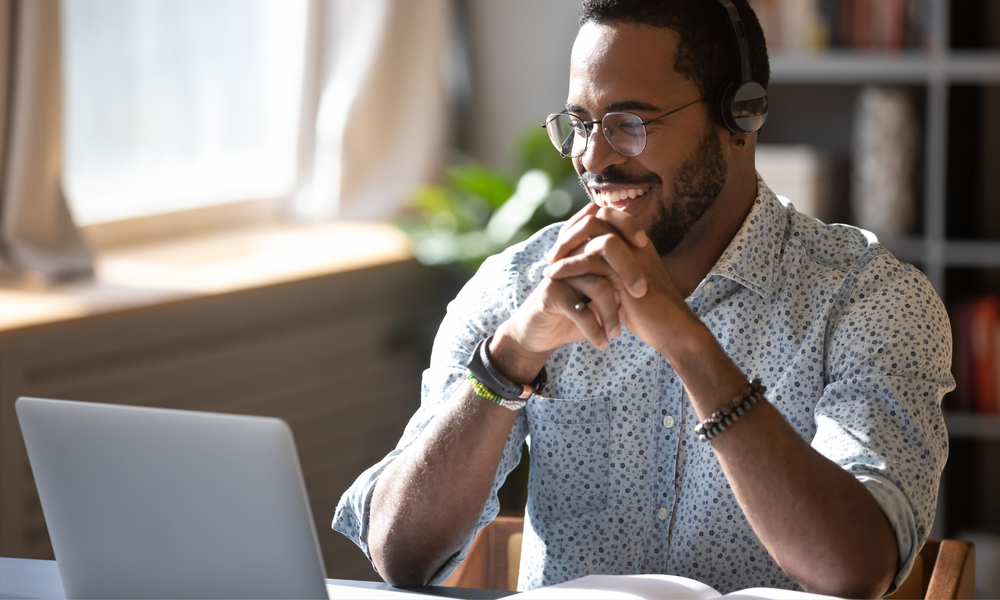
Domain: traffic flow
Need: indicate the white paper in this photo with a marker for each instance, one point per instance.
(624, 587)
(774, 594)
(651, 587)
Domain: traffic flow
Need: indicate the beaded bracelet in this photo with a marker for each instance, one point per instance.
(719, 420)
(484, 392)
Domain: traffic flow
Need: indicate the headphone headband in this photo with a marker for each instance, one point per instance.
(736, 24)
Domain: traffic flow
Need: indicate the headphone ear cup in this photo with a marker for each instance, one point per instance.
(743, 106)
(724, 103)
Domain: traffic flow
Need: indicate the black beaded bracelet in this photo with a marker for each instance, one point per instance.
(719, 420)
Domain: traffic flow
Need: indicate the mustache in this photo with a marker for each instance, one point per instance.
(613, 175)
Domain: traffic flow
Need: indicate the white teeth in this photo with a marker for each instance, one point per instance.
(608, 197)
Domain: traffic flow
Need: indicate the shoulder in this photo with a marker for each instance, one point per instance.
(854, 256)
(516, 271)
(835, 246)
(504, 280)
(868, 278)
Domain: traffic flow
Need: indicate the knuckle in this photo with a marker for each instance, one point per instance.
(589, 221)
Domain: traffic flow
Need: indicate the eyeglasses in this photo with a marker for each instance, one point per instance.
(625, 132)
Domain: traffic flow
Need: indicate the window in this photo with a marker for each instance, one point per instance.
(179, 104)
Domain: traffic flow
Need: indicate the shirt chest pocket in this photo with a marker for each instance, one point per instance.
(569, 441)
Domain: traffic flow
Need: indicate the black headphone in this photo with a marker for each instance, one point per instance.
(742, 103)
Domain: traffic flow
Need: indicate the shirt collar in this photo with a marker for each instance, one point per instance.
(752, 257)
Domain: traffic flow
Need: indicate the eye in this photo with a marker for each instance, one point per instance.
(631, 127)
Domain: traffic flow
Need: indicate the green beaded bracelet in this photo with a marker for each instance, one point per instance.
(486, 393)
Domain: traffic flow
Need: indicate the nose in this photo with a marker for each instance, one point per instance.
(599, 153)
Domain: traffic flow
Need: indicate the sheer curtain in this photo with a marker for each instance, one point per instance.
(37, 232)
(375, 110)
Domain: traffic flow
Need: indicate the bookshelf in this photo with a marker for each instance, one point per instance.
(936, 70)
(969, 426)
(812, 103)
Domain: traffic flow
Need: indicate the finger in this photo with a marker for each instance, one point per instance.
(562, 298)
(570, 225)
(589, 209)
(623, 260)
(603, 302)
(626, 224)
(577, 234)
(609, 256)
(565, 296)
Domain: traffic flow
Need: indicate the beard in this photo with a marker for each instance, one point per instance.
(697, 185)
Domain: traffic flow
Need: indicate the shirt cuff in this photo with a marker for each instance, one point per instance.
(353, 513)
(900, 515)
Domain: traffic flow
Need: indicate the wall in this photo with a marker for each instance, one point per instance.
(519, 69)
(339, 357)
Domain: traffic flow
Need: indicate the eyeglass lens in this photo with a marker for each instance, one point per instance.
(624, 131)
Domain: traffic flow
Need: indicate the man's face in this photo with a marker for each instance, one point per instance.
(626, 67)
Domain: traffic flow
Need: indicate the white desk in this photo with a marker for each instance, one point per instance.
(28, 578)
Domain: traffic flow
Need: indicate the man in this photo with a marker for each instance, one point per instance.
(650, 310)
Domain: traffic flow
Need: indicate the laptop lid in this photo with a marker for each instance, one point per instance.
(157, 503)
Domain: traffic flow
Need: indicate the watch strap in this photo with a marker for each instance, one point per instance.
(480, 366)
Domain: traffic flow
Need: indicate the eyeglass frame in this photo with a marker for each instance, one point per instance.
(588, 126)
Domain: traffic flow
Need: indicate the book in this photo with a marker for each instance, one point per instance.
(660, 587)
(984, 319)
(797, 26)
(963, 398)
(976, 362)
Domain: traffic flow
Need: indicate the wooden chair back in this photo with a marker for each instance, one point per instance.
(944, 569)
(494, 558)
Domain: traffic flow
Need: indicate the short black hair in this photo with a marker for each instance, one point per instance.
(707, 53)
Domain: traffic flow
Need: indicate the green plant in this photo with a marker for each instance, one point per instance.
(479, 211)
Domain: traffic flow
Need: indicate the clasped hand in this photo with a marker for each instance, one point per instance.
(604, 255)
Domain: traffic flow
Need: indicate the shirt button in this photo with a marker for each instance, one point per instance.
(668, 421)
(662, 513)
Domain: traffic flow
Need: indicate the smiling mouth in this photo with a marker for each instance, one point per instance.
(619, 199)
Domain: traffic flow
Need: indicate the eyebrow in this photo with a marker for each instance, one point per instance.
(625, 105)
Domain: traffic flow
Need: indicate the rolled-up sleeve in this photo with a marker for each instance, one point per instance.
(889, 365)
(485, 302)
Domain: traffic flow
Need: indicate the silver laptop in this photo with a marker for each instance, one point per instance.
(155, 503)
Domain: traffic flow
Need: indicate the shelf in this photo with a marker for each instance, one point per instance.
(973, 67)
(956, 253)
(972, 254)
(907, 67)
(972, 426)
(910, 249)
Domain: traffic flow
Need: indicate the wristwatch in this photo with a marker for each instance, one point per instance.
(480, 366)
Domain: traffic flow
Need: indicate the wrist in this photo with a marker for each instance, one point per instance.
(512, 359)
(688, 338)
(707, 372)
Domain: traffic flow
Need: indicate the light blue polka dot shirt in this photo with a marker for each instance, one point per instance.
(853, 346)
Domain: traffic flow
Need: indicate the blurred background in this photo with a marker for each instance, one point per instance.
(263, 206)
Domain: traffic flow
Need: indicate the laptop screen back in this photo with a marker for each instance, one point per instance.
(155, 503)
